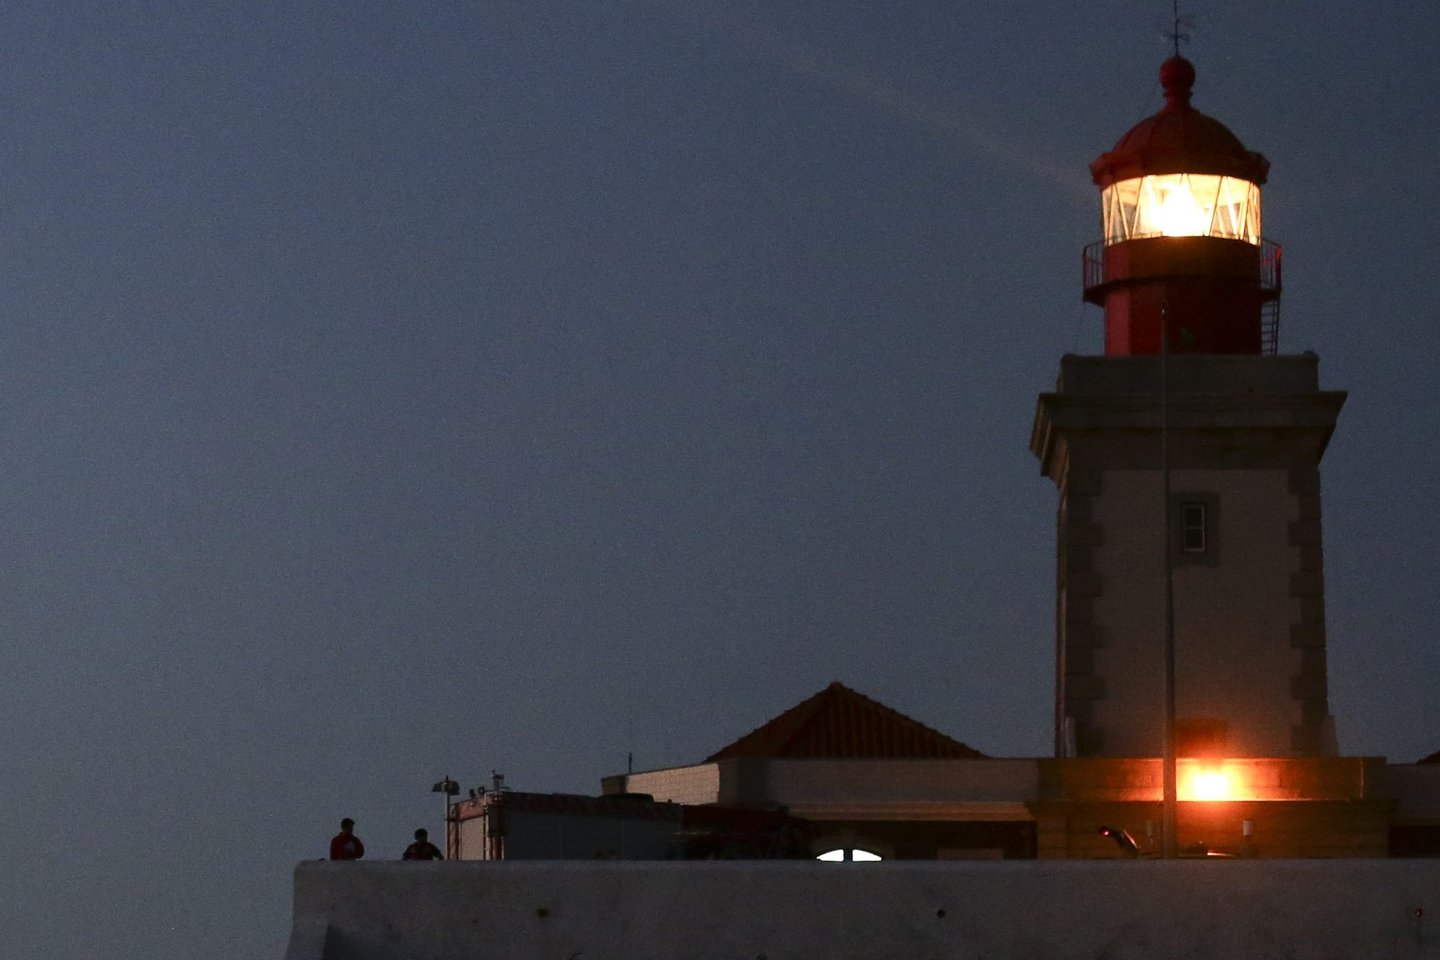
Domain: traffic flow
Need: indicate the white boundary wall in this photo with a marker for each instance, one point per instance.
(911, 910)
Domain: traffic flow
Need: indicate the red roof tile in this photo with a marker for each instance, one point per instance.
(839, 723)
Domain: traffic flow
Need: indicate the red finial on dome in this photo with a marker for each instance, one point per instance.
(1177, 76)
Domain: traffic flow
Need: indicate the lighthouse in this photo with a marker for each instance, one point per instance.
(1186, 457)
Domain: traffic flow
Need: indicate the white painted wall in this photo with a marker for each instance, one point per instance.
(904, 789)
(814, 781)
(535, 835)
(796, 910)
(699, 783)
(865, 789)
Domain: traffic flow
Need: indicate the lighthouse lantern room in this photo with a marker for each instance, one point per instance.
(1182, 250)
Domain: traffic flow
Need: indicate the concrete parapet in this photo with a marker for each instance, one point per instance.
(899, 910)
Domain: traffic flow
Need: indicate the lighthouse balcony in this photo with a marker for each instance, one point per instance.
(1159, 258)
(1221, 295)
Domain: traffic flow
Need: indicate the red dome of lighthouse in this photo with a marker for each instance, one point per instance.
(1182, 265)
(1179, 139)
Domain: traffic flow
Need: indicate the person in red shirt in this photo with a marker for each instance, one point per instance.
(345, 845)
(422, 848)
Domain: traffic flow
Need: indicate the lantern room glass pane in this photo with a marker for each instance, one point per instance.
(1182, 205)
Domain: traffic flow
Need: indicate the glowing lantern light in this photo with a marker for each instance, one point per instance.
(1182, 205)
(1180, 215)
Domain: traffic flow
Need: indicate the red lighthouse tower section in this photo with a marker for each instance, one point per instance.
(1182, 249)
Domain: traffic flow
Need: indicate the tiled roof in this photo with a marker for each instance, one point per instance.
(839, 723)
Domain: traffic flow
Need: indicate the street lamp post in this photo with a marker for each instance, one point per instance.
(448, 788)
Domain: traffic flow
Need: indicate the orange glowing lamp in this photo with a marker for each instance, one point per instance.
(1208, 784)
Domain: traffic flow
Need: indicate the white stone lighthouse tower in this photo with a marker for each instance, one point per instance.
(1191, 386)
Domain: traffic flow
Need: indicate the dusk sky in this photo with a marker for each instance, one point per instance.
(394, 390)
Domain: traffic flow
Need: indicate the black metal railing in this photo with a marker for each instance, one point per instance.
(1093, 264)
(1094, 275)
(1271, 281)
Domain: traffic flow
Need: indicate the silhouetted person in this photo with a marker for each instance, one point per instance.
(422, 848)
(345, 845)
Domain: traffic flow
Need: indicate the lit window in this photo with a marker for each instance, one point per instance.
(1182, 205)
(848, 854)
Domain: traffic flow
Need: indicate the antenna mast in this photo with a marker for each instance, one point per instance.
(1180, 27)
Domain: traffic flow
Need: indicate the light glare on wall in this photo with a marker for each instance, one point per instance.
(1208, 784)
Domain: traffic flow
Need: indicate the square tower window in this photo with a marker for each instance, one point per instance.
(1193, 535)
(1194, 519)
